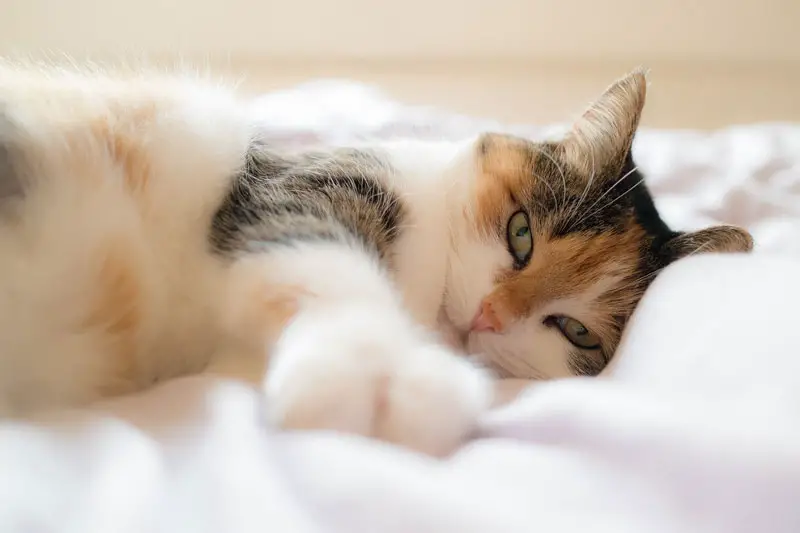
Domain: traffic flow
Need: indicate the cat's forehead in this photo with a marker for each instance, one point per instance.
(560, 199)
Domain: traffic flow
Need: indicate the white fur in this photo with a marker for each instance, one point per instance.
(358, 363)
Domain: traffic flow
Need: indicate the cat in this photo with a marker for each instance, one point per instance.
(148, 232)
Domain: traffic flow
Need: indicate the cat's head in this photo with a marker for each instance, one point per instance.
(557, 242)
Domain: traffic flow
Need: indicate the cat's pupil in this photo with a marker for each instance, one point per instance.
(522, 232)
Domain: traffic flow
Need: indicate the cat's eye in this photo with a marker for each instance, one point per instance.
(575, 332)
(520, 238)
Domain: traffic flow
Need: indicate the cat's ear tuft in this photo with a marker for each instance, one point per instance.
(602, 137)
(716, 239)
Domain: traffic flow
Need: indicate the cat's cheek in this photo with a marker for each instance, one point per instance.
(471, 278)
(526, 350)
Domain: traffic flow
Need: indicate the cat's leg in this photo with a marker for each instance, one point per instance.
(350, 358)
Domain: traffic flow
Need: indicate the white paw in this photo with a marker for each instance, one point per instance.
(371, 373)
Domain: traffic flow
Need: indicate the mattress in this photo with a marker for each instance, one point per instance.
(693, 428)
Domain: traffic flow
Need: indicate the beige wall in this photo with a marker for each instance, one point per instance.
(713, 62)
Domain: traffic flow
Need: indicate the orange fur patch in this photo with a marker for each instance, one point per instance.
(565, 267)
(263, 310)
(505, 166)
(279, 307)
(116, 306)
(121, 133)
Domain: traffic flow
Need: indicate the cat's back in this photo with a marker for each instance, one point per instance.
(107, 187)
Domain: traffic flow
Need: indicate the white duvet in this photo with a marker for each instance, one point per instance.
(695, 428)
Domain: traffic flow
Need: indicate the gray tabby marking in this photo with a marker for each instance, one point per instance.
(337, 196)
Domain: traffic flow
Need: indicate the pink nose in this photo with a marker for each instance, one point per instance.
(486, 319)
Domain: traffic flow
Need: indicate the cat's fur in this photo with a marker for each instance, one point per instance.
(147, 232)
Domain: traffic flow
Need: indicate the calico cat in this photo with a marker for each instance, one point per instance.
(148, 232)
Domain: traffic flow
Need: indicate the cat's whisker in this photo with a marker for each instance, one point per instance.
(552, 191)
(511, 366)
(620, 180)
(563, 177)
(534, 372)
(561, 173)
(576, 207)
(699, 249)
(598, 210)
(633, 283)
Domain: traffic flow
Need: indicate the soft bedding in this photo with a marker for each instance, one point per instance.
(694, 428)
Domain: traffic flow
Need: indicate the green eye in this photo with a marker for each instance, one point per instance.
(575, 332)
(520, 239)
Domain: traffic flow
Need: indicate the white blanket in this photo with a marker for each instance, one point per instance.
(695, 428)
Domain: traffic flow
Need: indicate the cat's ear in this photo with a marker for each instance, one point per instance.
(601, 139)
(718, 239)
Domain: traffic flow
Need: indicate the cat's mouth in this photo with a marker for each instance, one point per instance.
(458, 336)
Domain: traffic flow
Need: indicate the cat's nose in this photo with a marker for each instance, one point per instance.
(486, 319)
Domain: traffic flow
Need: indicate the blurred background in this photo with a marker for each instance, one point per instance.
(713, 62)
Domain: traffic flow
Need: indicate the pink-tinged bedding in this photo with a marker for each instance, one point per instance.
(694, 428)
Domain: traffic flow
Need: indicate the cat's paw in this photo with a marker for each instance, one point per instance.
(371, 373)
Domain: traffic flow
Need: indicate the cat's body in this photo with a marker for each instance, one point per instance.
(147, 233)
